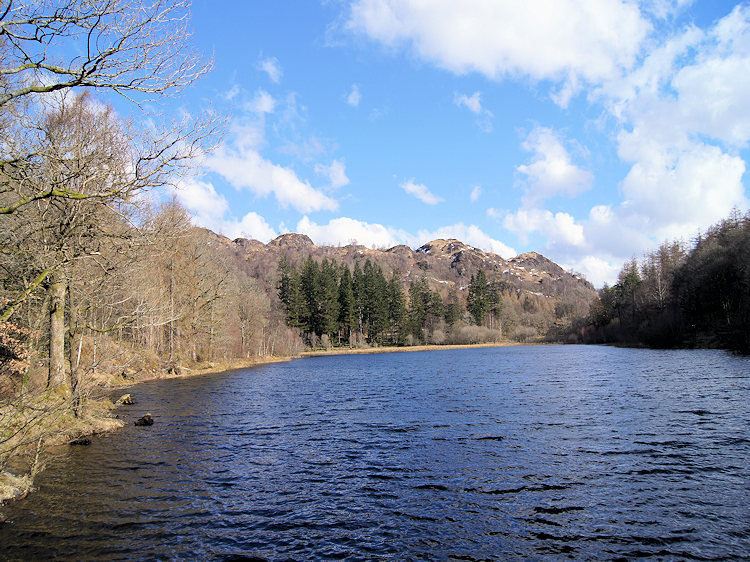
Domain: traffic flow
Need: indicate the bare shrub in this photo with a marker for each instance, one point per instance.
(288, 343)
(464, 335)
(325, 341)
(437, 337)
(523, 334)
(358, 341)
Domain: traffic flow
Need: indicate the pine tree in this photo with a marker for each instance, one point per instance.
(417, 307)
(327, 291)
(494, 306)
(397, 314)
(477, 302)
(310, 317)
(290, 294)
(452, 308)
(376, 301)
(358, 287)
(348, 319)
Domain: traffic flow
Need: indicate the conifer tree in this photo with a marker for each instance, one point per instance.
(477, 300)
(452, 308)
(376, 301)
(358, 287)
(310, 319)
(347, 306)
(290, 294)
(397, 314)
(327, 293)
(417, 307)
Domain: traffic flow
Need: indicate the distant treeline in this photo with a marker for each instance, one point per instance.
(677, 297)
(329, 304)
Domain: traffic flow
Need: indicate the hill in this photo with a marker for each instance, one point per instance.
(537, 293)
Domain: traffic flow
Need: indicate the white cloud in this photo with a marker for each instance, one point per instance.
(211, 210)
(421, 192)
(343, 230)
(245, 168)
(471, 235)
(230, 94)
(713, 92)
(598, 271)
(263, 102)
(646, 80)
(664, 9)
(201, 199)
(476, 193)
(335, 172)
(677, 192)
(271, 67)
(473, 103)
(563, 40)
(560, 228)
(252, 226)
(680, 110)
(354, 97)
(550, 171)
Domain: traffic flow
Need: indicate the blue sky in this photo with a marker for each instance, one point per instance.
(587, 131)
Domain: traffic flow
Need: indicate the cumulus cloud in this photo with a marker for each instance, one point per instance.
(684, 113)
(230, 94)
(252, 226)
(713, 91)
(560, 228)
(474, 104)
(244, 168)
(201, 198)
(263, 102)
(354, 97)
(421, 192)
(476, 192)
(211, 210)
(551, 171)
(664, 9)
(335, 172)
(596, 270)
(471, 235)
(680, 191)
(271, 67)
(343, 230)
(564, 40)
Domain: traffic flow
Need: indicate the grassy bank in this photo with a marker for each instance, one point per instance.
(403, 349)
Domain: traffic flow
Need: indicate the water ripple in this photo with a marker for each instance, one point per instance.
(513, 453)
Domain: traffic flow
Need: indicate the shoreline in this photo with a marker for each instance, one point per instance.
(215, 368)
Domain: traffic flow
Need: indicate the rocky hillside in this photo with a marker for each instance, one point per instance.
(446, 264)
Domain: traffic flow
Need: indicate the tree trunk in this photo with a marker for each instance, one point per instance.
(74, 355)
(57, 378)
(171, 311)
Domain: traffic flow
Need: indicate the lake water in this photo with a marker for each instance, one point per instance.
(517, 452)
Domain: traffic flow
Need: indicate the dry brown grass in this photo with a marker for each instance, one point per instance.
(405, 349)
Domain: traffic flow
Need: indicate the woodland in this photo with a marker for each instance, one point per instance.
(680, 297)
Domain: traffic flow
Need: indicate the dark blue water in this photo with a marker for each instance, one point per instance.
(523, 452)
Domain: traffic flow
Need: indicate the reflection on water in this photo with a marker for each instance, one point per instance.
(529, 452)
